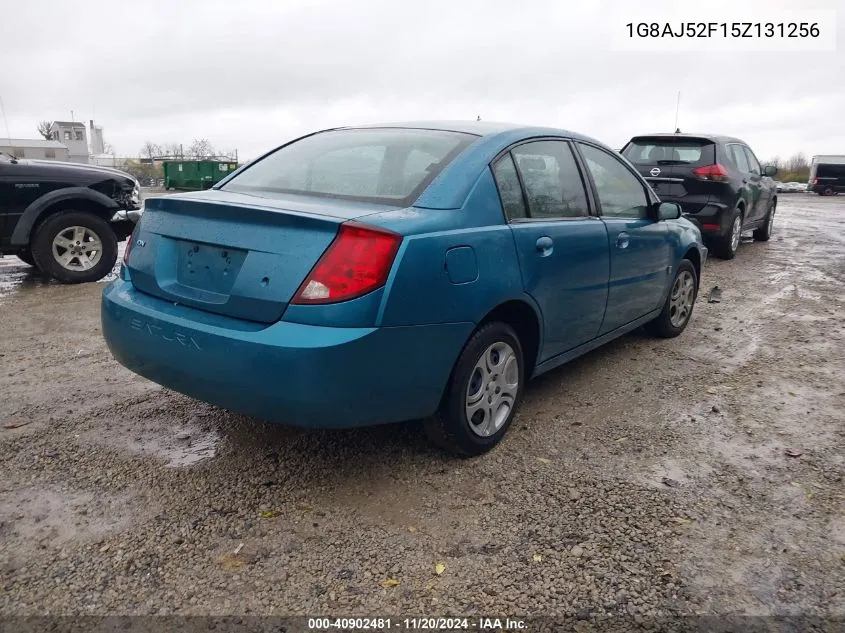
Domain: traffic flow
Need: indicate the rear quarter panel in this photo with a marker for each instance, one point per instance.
(420, 290)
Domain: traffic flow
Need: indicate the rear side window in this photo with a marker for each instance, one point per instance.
(553, 184)
(381, 165)
(669, 151)
(510, 191)
(827, 170)
(738, 158)
(753, 163)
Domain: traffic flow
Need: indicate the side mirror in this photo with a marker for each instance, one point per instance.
(770, 171)
(668, 211)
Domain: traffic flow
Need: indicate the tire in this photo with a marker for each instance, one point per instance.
(26, 257)
(673, 320)
(764, 233)
(828, 191)
(471, 434)
(726, 246)
(58, 238)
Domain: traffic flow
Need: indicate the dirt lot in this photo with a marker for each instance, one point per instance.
(649, 477)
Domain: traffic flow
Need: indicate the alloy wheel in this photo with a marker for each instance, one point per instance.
(77, 248)
(736, 233)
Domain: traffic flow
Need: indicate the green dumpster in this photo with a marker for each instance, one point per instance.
(195, 175)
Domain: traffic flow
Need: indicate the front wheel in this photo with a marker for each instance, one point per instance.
(26, 257)
(483, 394)
(677, 310)
(75, 247)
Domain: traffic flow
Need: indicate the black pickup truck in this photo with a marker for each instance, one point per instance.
(65, 218)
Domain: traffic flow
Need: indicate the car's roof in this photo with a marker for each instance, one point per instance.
(478, 128)
(719, 138)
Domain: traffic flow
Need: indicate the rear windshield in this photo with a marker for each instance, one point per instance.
(667, 151)
(382, 165)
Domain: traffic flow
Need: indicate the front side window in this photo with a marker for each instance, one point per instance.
(621, 194)
(553, 184)
(510, 191)
(381, 165)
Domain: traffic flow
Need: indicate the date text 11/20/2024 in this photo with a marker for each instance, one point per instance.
(724, 29)
(416, 624)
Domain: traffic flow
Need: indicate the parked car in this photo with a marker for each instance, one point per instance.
(717, 180)
(66, 219)
(779, 186)
(793, 187)
(425, 271)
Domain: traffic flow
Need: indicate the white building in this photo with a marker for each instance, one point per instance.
(34, 148)
(98, 144)
(74, 136)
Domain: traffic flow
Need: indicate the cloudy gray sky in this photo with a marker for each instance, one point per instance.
(254, 73)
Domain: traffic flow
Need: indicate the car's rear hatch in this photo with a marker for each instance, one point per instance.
(667, 163)
(231, 253)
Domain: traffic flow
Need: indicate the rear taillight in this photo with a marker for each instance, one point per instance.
(715, 172)
(357, 262)
(128, 248)
(815, 181)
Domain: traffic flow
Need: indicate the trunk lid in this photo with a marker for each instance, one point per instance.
(234, 254)
(667, 162)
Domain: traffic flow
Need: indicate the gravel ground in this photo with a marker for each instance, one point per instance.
(648, 478)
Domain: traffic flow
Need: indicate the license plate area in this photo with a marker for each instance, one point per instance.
(208, 267)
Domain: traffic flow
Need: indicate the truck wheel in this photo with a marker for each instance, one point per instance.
(26, 257)
(483, 394)
(75, 247)
(828, 191)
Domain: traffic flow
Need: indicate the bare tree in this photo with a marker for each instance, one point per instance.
(44, 130)
(200, 148)
(172, 149)
(797, 163)
(150, 150)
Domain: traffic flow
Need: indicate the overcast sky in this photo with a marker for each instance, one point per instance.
(252, 74)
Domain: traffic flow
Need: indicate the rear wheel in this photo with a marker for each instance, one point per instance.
(75, 247)
(483, 394)
(677, 310)
(764, 233)
(725, 246)
(828, 191)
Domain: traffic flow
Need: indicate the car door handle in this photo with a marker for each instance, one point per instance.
(622, 240)
(545, 246)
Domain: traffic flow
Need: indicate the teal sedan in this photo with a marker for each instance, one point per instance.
(376, 274)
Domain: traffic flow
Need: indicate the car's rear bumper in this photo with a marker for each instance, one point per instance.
(710, 219)
(283, 372)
